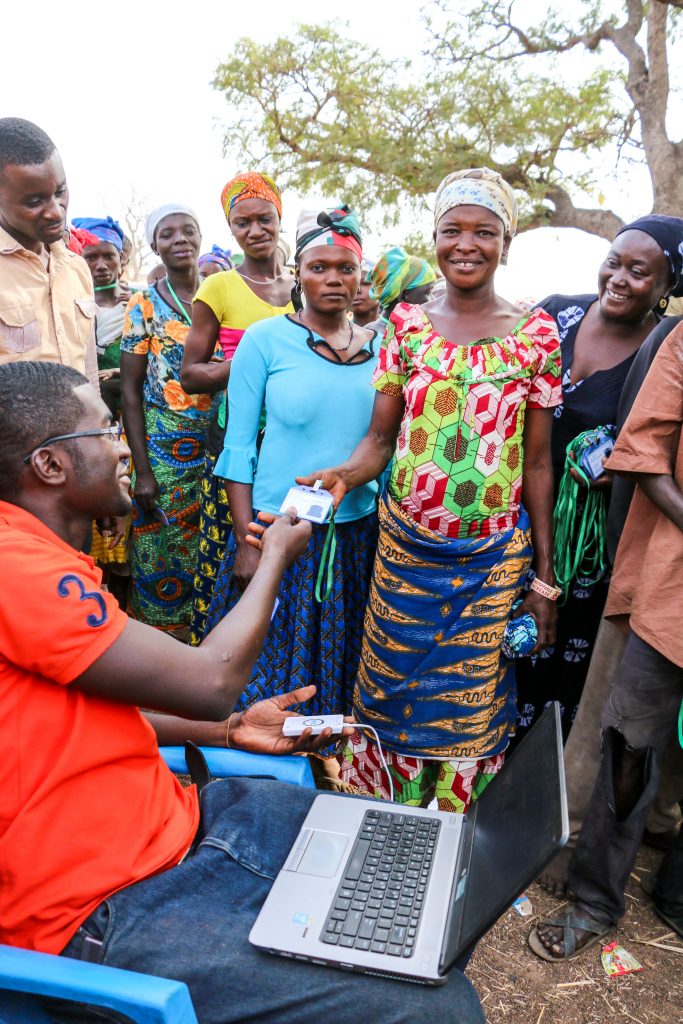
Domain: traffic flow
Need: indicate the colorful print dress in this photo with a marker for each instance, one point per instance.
(453, 553)
(164, 555)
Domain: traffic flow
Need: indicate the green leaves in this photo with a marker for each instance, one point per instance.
(322, 111)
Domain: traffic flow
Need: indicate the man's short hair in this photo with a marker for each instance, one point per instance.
(37, 401)
(23, 142)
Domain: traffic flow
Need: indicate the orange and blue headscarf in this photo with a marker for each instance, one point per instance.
(251, 185)
(397, 271)
(339, 226)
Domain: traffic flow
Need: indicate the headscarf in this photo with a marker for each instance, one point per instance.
(217, 255)
(156, 216)
(251, 185)
(366, 269)
(105, 229)
(478, 186)
(667, 232)
(285, 249)
(79, 238)
(395, 272)
(338, 226)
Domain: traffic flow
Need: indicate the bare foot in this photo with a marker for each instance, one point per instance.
(554, 878)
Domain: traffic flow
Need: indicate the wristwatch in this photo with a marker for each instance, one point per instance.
(552, 593)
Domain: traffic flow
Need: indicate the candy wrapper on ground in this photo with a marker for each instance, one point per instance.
(617, 961)
(523, 906)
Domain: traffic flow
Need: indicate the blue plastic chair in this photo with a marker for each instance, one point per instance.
(145, 999)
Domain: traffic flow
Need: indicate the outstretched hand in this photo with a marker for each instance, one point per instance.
(332, 481)
(259, 728)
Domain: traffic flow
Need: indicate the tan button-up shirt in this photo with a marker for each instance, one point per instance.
(46, 314)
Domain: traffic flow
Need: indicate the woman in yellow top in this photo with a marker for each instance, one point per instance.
(224, 306)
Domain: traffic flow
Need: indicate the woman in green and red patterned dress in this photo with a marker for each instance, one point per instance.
(468, 382)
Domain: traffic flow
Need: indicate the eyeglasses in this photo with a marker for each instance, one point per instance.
(114, 432)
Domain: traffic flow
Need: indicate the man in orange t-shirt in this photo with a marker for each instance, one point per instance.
(103, 855)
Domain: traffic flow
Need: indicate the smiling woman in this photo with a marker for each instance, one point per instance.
(600, 335)
(467, 382)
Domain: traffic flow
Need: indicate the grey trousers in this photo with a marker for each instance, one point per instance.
(583, 748)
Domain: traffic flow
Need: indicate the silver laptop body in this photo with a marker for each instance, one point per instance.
(479, 864)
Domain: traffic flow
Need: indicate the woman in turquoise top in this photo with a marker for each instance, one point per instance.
(311, 371)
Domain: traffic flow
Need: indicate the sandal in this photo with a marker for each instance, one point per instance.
(570, 921)
(648, 885)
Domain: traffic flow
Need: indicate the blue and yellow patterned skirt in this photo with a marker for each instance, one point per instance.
(432, 678)
(310, 642)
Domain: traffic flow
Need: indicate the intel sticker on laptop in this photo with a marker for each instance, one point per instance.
(300, 918)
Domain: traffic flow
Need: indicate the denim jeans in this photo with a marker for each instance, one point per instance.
(192, 923)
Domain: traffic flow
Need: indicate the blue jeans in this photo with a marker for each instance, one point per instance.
(192, 923)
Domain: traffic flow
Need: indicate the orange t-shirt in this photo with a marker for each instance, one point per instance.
(87, 805)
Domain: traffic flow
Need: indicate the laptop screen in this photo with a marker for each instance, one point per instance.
(518, 824)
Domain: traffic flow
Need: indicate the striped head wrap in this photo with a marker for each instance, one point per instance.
(478, 186)
(251, 185)
(397, 271)
(339, 226)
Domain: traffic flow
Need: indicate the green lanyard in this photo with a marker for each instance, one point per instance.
(579, 544)
(177, 301)
(680, 725)
(323, 584)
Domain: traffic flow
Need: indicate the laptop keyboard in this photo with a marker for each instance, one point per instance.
(380, 898)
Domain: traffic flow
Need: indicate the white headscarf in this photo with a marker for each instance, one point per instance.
(156, 216)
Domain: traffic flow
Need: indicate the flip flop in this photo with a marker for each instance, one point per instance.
(570, 921)
(648, 885)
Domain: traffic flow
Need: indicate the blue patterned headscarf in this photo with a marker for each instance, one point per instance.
(667, 232)
(223, 257)
(104, 228)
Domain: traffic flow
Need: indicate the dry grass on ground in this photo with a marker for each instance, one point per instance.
(517, 988)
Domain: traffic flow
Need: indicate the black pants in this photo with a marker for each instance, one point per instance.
(638, 720)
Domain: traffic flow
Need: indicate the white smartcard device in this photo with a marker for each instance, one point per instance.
(295, 725)
(310, 503)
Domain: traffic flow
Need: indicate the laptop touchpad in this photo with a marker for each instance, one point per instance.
(323, 854)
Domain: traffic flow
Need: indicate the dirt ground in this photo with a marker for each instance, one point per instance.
(516, 987)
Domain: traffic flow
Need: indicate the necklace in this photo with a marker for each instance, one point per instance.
(337, 348)
(106, 287)
(264, 280)
(180, 303)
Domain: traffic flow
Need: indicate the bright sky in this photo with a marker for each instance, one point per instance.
(124, 90)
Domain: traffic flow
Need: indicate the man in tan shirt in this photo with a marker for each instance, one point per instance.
(47, 308)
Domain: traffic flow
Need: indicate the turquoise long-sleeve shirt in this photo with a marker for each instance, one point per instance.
(317, 410)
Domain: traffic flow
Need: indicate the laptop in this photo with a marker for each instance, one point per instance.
(376, 887)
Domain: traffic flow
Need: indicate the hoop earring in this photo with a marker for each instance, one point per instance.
(663, 304)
